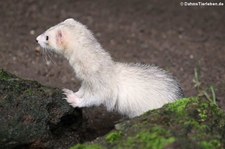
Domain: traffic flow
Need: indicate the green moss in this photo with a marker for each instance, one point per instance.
(179, 106)
(195, 125)
(29, 92)
(155, 138)
(187, 123)
(213, 144)
(4, 75)
(113, 136)
(84, 146)
(203, 115)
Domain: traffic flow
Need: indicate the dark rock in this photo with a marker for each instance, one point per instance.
(35, 116)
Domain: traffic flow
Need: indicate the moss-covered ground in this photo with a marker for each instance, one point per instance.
(186, 124)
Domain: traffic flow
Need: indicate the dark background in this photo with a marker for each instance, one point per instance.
(163, 33)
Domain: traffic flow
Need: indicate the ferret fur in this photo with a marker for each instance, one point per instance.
(130, 89)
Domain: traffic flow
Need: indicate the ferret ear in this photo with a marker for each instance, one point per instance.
(59, 37)
(69, 21)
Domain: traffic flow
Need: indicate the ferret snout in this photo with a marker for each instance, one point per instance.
(38, 38)
(41, 41)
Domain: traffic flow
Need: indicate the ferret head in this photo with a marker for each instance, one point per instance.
(65, 37)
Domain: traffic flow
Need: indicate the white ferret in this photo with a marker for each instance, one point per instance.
(130, 89)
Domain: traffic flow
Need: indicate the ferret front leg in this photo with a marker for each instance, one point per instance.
(80, 93)
(73, 98)
(85, 101)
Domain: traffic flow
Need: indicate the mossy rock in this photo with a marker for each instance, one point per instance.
(186, 124)
(35, 116)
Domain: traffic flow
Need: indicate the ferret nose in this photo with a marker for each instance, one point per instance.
(37, 38)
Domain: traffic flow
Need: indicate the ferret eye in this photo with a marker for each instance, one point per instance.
(47, 38)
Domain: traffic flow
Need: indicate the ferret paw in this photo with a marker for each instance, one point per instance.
(72, 98)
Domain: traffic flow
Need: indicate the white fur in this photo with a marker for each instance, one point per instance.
(131, 89)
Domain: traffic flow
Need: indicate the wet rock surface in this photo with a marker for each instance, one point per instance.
(35, 116)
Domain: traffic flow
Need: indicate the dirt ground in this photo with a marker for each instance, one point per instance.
(163, 33)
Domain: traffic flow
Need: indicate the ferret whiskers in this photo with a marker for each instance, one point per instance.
(50, 54)
(47, 55)
(44, 54)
